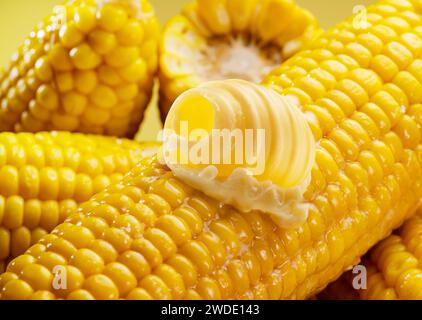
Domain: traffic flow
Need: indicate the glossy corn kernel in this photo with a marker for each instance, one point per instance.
(219, 39)
(44, 176)
(394, 267)
(88, 67)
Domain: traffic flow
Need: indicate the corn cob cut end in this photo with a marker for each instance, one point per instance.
(216, 40)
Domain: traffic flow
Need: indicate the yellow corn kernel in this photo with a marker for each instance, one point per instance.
(122, 56)
(103, 97)
(96, 116)
(135, 72)
(70, 36)
(112, 18)
(47, 97)
(43, 69)
(59, 58)
(101, 287)
(65, 81)
(102, 42)
(74, 103)
(87, 261)
(84, 58)
(85, 18)
(131, 34)
(85, 81)
(17, 290)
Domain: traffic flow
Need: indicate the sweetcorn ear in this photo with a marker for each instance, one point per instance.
(225, 39)
(44, 176)
(393, 268)
(151, 236)
(87, 67)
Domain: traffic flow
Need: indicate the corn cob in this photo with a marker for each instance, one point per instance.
(394, 267)
(151, 236)
(44, 177)
(222, 39)
(88, 67)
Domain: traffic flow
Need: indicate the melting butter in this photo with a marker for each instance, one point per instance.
(242, 144)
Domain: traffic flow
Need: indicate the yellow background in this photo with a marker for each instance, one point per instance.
(17, 17)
